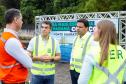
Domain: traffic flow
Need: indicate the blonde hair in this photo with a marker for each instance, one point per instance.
(107, 36)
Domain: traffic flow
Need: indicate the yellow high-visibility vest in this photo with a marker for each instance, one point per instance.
(44, 68)
(79, 51)
(116, 58)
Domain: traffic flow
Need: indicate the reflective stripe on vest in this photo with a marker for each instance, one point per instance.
(39, 67)
(53, 46)
(77, 60)
(43, 69)
(77, 66)
(36, 47)
(10, 66)
(111, 77)
(3, 39)
(83, 52)
(39, 62)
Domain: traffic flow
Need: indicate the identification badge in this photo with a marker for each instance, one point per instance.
(49, 50)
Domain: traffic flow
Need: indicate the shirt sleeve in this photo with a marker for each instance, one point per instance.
(57, 47)
(88, 64)
(31, 45)
(15, 49)
(93, 42)
(86, 71)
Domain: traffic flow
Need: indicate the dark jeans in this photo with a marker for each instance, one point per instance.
(74, 76)
(38, 79)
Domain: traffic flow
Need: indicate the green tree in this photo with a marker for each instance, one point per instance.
(29, 10)
(2, 10)
(121, 5)
(104, 5)
(6, 4)
(11, 3)
(65, 6)
(32, 8)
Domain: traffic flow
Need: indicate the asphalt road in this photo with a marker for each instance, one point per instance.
(62, 74)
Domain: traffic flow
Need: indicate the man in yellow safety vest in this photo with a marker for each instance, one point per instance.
(45, 52)
(81, 45)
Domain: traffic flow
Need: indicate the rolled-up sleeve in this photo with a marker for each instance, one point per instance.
(14, 48)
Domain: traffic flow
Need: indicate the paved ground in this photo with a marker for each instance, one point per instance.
(62, 73)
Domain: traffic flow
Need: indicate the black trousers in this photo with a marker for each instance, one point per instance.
(74, 76)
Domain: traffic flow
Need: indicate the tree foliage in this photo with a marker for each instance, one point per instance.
(6, 4)
(2, 10)
(104, 5)
(32, 8)
(11, 3)
(49, 7)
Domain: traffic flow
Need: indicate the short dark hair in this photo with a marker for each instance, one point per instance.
(10, 14)
(48, 23)
(84, 21)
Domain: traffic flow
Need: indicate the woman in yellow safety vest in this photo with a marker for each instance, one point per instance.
(105, 63)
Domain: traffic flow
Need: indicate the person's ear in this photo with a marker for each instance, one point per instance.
(15, 20)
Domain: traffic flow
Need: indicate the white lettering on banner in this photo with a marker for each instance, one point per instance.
(65, 34)
(69, 34)
(58, 34)
(73, 29)
(67, 29)
(91, 29)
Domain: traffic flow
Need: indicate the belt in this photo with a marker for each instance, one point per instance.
(13, 83)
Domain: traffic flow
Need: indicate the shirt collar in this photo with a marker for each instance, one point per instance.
(11, 31)
(84, 36)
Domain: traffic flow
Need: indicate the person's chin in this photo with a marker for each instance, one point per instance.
(44, 35)
(78, 33)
